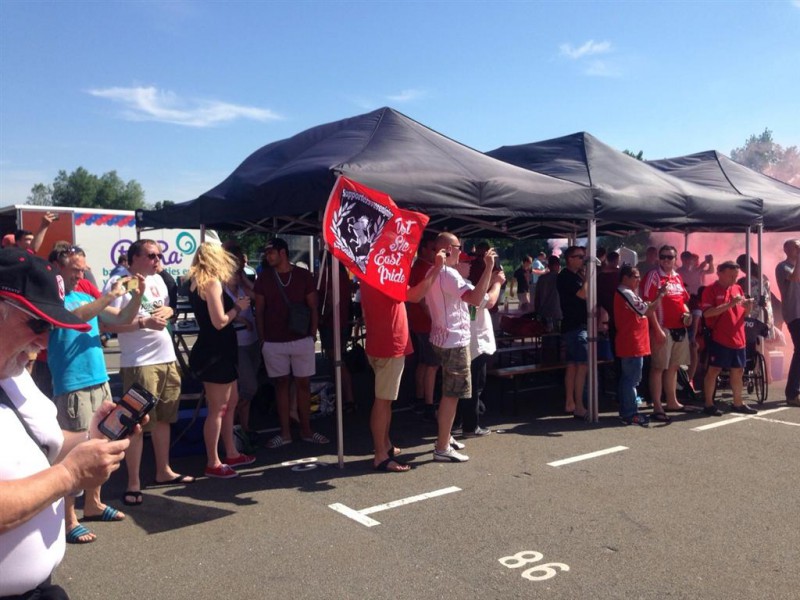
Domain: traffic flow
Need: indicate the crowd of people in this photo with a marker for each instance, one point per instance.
(52, 448)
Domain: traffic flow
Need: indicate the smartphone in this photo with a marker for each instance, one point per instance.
(132, 285)
(129, 412)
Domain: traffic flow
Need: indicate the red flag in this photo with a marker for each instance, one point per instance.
(374, 238)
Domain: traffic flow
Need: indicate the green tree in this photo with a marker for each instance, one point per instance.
(638, 155)
(41, 195)
(85, 190)
(758, 152)
(761, 153)
(162, 204)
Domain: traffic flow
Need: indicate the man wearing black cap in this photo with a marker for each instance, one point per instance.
(287, 351)
(39, 464)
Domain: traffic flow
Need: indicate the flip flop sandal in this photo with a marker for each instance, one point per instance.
(317, 438)
(660, 417)
(137, 498)
(384, 466)
(76, 533)
(277, 442)
(108, 514)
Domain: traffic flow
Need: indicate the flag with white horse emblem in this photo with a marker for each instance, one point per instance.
(374, 238)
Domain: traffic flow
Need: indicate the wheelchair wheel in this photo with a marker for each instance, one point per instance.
(758, 377)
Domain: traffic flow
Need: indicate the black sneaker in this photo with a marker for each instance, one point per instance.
(793, 401)
(479, 432)
(744, 409)
(712, 411)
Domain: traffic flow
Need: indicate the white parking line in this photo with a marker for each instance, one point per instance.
(776, 421)
(566, 461)
(360, 516)
(738, 419)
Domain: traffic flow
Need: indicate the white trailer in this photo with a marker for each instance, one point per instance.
(104, 235)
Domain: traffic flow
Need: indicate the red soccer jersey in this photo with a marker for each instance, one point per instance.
(670, 311)
(386, 322)
(633, 334)
(419, 321)
(727, 328)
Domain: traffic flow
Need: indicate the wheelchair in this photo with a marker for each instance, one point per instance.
(754, 375)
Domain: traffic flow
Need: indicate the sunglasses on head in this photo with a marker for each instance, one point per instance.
(71, 250)
(154, 255)
(36, 325)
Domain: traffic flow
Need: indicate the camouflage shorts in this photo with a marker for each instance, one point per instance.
(456, 379)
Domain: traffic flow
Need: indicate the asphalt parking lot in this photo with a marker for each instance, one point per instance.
(547, 507)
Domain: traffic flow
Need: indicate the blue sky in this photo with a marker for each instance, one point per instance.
(176, 94)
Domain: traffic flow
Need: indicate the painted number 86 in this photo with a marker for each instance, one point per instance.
(537, 573)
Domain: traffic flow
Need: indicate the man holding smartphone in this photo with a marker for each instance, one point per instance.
(39, 463)
(79, 375)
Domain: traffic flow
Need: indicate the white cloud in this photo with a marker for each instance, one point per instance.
(407, 95)
(151, 104)
(602, 68)
(590, 48)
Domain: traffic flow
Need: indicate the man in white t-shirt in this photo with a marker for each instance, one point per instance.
(39, 463)
(447, 300)
(147, 357)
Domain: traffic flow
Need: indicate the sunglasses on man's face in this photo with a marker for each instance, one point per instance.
(35, 324)
(154, 255)
(667, 257)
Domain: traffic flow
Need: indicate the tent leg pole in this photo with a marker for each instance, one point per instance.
(591, 322)
(337, 357)
(747, 252)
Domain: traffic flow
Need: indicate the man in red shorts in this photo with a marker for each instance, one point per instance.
(724, 309)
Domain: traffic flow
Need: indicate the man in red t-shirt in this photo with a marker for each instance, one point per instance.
(388, 343)
(287, 354)
(669, 339)
(419, 322)
(724, 309)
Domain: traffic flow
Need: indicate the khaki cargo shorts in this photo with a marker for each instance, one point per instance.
(456, 378)
(164, 382)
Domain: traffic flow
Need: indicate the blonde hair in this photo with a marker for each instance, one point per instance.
(211, 263)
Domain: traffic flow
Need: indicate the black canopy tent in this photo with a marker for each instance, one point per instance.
(631, 193)
(284, 186)
(781, 201)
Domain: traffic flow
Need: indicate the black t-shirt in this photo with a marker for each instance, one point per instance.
(573, 309)
(521, 275)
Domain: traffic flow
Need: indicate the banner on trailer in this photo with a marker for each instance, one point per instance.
(371, 236)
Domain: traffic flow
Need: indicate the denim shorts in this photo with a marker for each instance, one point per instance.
(576, 343)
